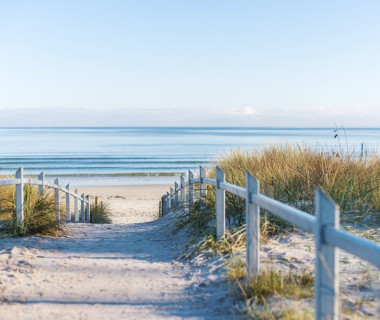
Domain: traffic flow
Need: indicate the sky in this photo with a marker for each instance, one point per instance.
(190, 63)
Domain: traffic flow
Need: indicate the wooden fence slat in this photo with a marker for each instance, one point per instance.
(56, 197)
(20, 196)
(176, 194)
(82, 211)
(88, 209)
(76, 206)
(182, 191)
(41, 188)
(190, 197)
(327, 268)
(202, 188)
(220, 204)
(253, 228)
(68, 209)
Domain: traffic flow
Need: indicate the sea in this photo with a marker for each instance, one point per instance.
(153, 155)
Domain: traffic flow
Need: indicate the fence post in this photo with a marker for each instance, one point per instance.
(252, 219)
(76, 206)
(20, 196)
(88, 209)
(183, 191)
(171, 199)
(56, 193)
(167, 203)
(82, 211)
(326, 269)
(220, 195)
(41, 188)
(202, 188)
(191, 189)
(68, 209)
(175, 194)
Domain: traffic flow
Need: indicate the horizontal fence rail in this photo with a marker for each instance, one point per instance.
(20, 181)
(324, 225)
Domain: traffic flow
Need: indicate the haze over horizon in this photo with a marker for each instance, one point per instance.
(198, 63)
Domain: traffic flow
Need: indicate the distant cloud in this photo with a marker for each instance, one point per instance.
(246, 111)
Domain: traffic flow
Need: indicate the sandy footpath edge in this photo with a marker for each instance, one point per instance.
(127, 270)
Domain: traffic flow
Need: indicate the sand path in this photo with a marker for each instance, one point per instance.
(106, 272)
(120, 271)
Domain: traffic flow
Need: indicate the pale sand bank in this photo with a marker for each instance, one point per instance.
(127, 270)
(129, 204)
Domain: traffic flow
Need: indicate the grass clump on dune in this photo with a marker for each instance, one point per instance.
(39, 213)
(290, 174)
(101, 213)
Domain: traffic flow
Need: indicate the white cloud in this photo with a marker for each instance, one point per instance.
(246, 111)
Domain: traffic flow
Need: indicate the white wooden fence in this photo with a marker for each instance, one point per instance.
(20, 181)
(325, 226)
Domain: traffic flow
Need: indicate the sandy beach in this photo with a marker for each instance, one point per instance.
(127, 270)
(131, 269)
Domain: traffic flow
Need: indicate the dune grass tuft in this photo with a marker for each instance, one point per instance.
(101, 213)
(39, 213)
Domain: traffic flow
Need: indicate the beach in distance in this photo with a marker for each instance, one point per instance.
(99, 156)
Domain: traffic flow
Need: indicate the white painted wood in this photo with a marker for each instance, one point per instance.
(82, 211)
(191, 189)
(41, 188)
(56, 197)
(176, 194)
(88, 209)
(182, 191)
(211, 182)
(363, 248)
(327, 268)
(9, 182)
(171, 199)
(76, 206)
(296, 217)
(68, 209)
(20, 195)
(253, 228)
(220, 204)
(237, 191)
(202, 188)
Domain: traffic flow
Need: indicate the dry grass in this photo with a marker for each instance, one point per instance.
(39, 213)
(100, 213)
(263, 292)
(290, 174)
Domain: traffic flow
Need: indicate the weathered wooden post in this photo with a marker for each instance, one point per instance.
(176, 195)
(20, 196)
(76, 206)
(171, 198)
(191, 189)
(41, 188)
(202, 188)
(167, 203)
(160, 206)
(68, 209)
(88, 209)
(220, 200)
(253, 228)
(56, 193)
(96, 201)
(327, 268)
(82, 209)
(183, 191)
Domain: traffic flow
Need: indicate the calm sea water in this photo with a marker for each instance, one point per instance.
(141, 155)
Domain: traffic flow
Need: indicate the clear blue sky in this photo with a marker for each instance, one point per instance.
(248, 63)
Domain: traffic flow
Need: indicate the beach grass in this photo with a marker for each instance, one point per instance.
(101, 213)
(39, 213)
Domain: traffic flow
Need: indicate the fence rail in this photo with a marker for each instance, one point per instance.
(41, 182)
(325, 226)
